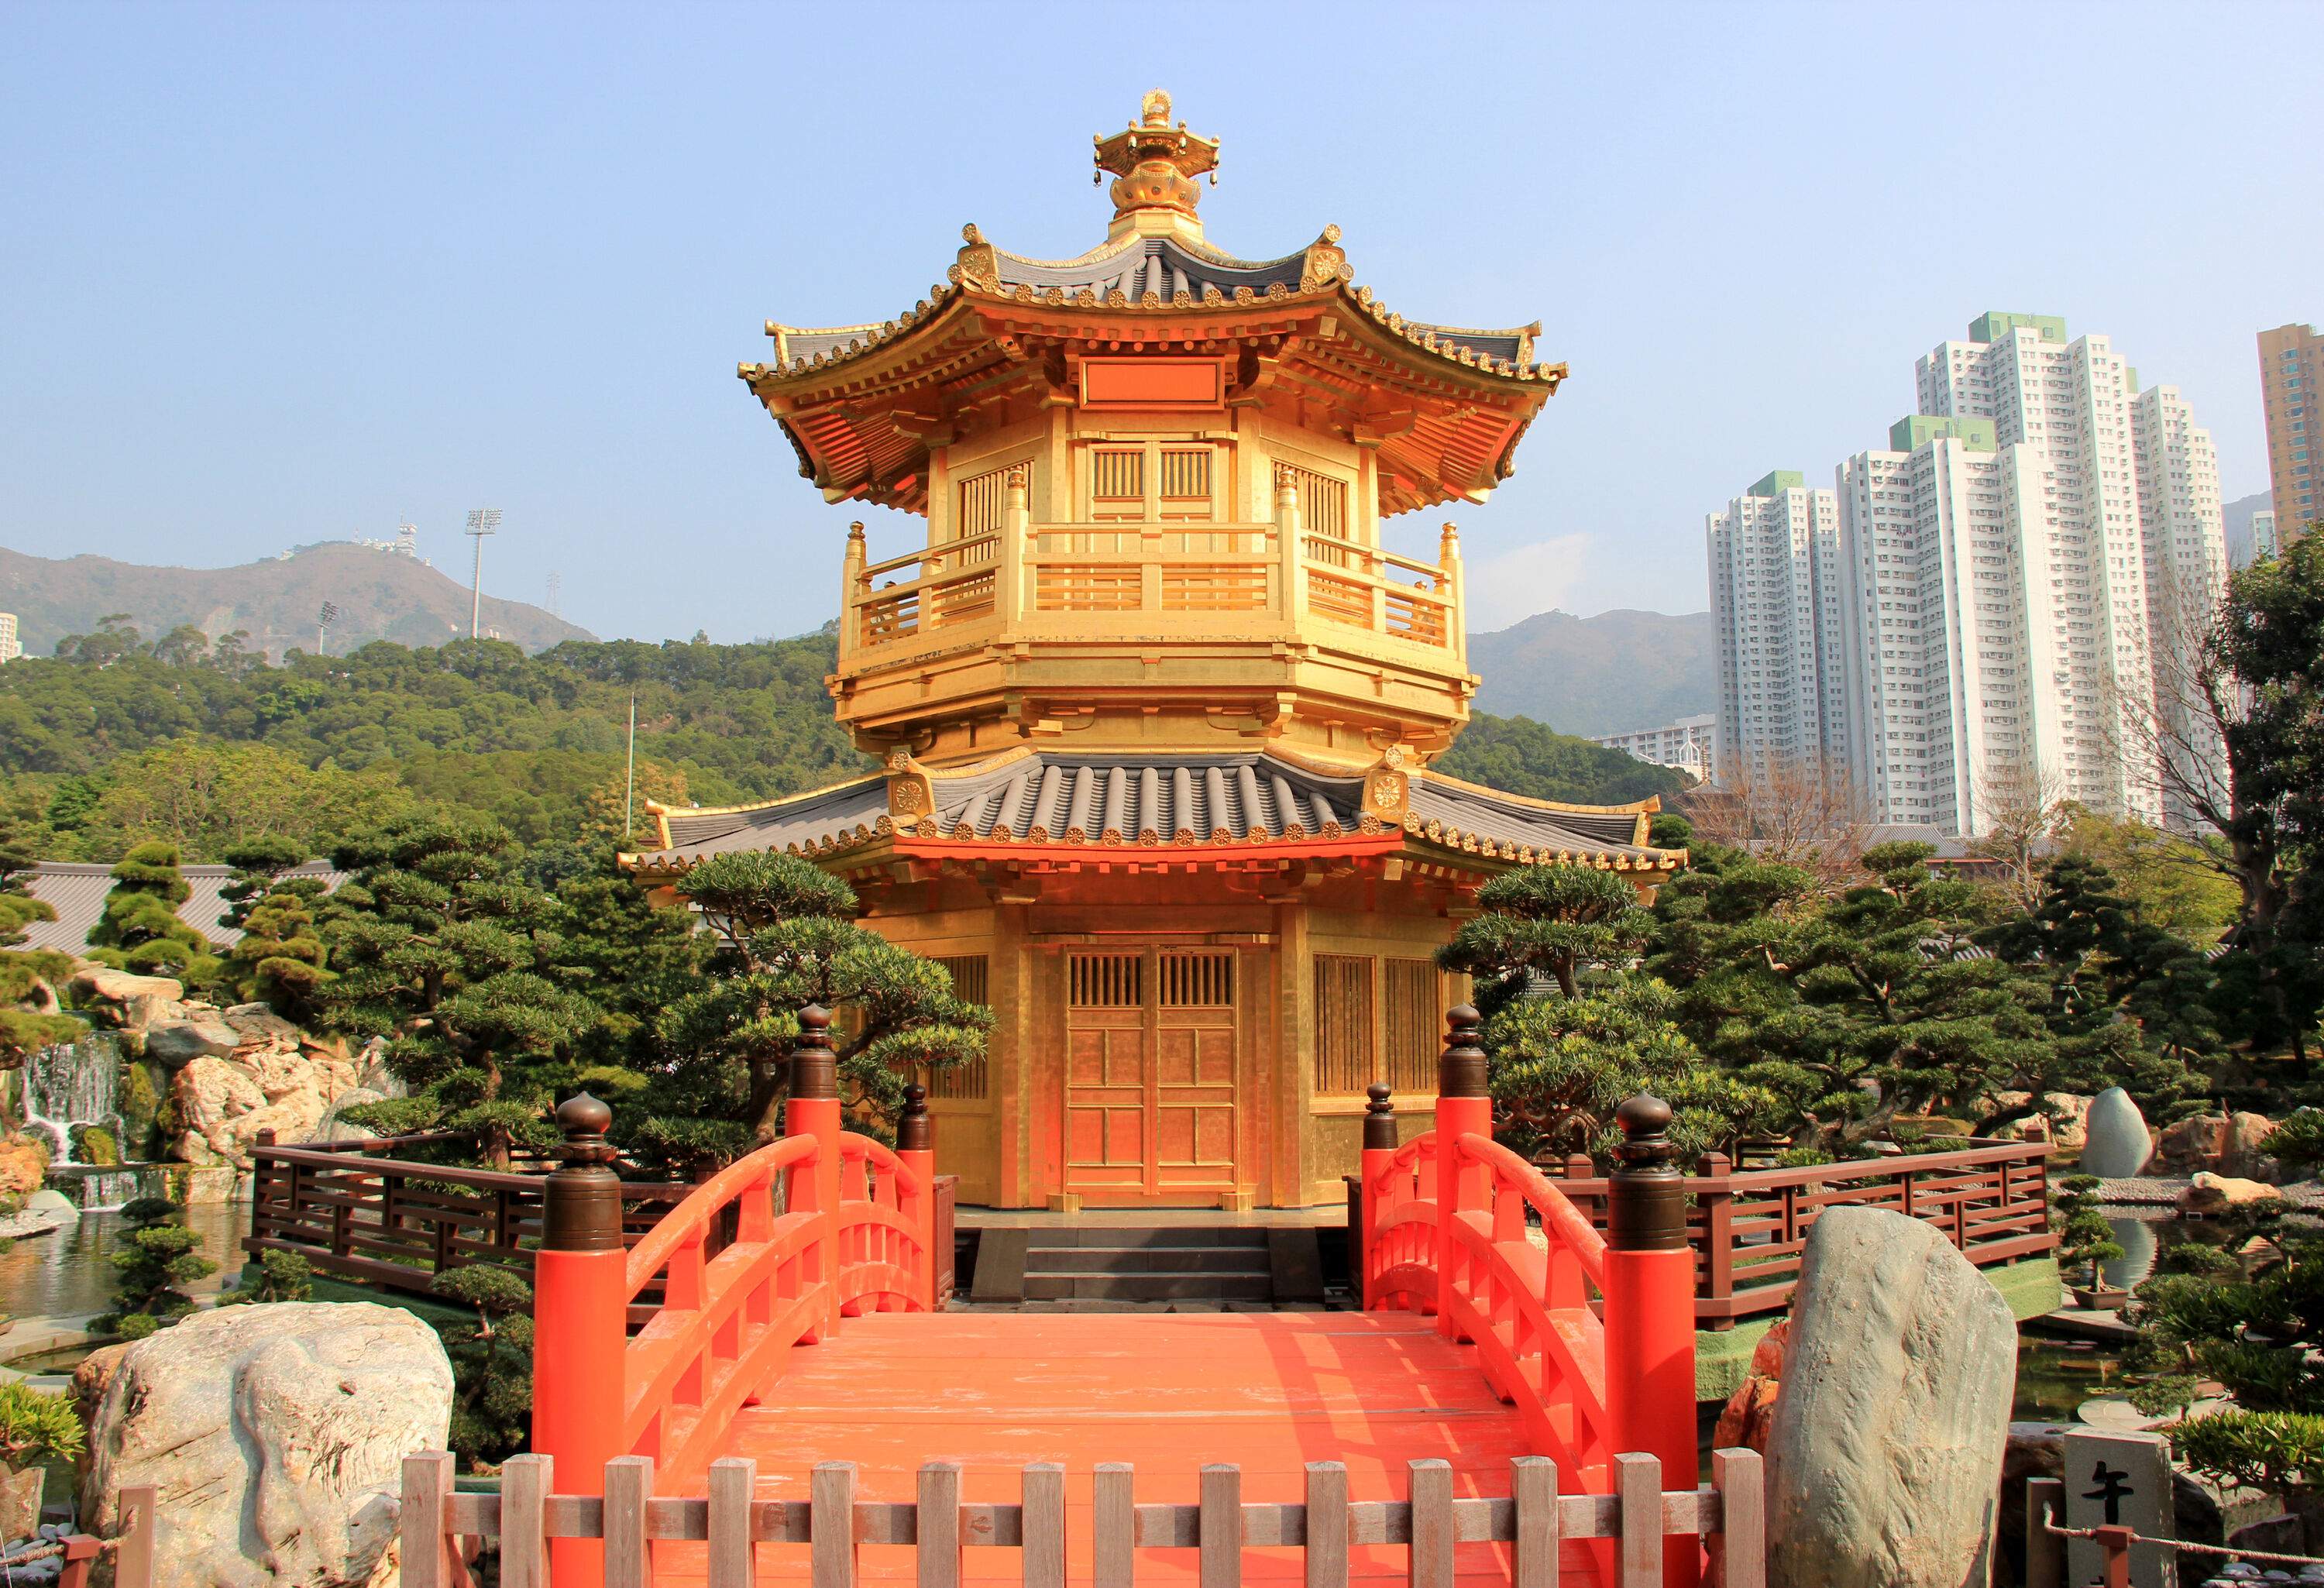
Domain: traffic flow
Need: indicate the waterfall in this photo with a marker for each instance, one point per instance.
(74, 1084)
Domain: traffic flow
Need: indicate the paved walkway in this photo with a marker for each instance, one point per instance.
(993, 1391)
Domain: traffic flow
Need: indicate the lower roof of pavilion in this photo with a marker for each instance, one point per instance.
(1060, 810)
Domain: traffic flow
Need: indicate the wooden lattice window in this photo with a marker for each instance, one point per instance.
(1186, 482)
(1198, 981)
(1117, 482)
(1344, 1024)
(1323, 503)
(971, 981)
(1412, 1017)
(982, 498)
(1107, 981)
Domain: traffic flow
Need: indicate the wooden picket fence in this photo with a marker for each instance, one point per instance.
(441, 1528)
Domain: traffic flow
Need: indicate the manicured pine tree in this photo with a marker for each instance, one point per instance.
(278, 958)
(139, 929)
(29, 1019)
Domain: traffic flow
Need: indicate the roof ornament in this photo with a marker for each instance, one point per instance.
(1155, 165)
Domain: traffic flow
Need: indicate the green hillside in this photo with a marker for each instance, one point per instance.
(128, 738)
(1607, 674)
(380, 596)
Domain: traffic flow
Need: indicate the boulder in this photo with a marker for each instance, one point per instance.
(275, 1436)
(101, 983)
(256, 1023)
(2232, 1144)
(51, 1205)
(181, 1042)
(2115, 1144)
(1743, 1425)
(2215, 1194)
(285, 1085)
(20, 1502)
(1884, 1462)
(335, 1129)
(2244, 1154)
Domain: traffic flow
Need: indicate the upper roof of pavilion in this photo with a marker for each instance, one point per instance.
(1004, 335)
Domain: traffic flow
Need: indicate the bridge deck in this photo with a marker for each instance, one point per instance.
(993, 1391)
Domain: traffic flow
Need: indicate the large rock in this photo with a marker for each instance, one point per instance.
(256, 1022)
(123, 1002)
(275, 1436)
(2115, 1144)
(23, 1165)
(1884, 1457)
(181, 1042)
(2217, 1144)
(288, 1086)
(2216, 1194)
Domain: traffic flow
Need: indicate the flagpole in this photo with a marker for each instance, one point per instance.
(629, 801)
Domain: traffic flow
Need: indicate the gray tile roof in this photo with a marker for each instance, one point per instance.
(1060, 797)
(76, 893)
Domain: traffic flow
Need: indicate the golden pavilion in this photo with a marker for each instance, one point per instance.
(1155, 703)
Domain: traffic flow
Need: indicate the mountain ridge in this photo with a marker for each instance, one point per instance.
(380, 595)
(1611, 673)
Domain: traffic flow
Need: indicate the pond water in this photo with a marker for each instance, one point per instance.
(65, 1272)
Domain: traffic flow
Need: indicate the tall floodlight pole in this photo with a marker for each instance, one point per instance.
(323, 621)
(629, 800)
(482, 521)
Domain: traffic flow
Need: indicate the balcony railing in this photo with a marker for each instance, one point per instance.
(1172, 579)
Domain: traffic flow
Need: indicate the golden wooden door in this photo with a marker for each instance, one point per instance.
(1151, 1050)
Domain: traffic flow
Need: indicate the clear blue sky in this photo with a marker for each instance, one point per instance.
(280, 275)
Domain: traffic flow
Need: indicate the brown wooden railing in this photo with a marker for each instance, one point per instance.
(1749, 1227)
(388, 1222)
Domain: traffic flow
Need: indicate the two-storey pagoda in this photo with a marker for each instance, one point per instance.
(1156, 703)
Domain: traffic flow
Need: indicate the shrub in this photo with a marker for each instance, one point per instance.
(276, 1276)
(37, 1427)
(2084, 1237)
(491, 1362)
(157, 1256)
(2270, 1450)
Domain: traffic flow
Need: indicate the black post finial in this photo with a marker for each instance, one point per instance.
(1460, 1070)
(1379, 1118)
(1647, 1193)
(581, 1201)
(815, 1068)
(916, 1130)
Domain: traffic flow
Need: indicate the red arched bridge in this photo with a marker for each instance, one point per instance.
(763, 1386)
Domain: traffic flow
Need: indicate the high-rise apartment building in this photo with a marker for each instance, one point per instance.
(1777, 606)
(2021, 555)
(2263, 542)
(11, 648)
(2291, 374)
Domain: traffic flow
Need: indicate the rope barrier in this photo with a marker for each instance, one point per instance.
(2107, 1535)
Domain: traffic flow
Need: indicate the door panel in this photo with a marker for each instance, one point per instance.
(1152, 1055)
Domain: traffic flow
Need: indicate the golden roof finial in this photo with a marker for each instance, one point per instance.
(1154, 164)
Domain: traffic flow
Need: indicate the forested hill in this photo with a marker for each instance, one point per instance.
(1610, 674)
(273, 603)
(127, 738)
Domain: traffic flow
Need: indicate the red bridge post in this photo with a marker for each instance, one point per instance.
(580, 1311)
(1463, 1108)
(813, 1110)
(916, 1145)
(1380, 1147)
(1650, 1309)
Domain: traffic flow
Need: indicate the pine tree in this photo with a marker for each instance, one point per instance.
(139, 929)
(29, 1018)
(443, 948)
(278, 956)
(786, 938)
(157, 1257)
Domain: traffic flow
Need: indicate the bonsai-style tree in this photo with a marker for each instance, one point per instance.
(277, 958)
(276, 1276)
(2085, 1240)
(442, 949)
(29, 1018)
(786, 938)
(1557, 920)
(139, 929)
(37, 1427)
(491, 1362)
(157, 1257)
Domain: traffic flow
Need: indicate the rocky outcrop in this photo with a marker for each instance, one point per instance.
(179, 1043)
(121, 1001)
(2216, 1194)
(275, 1436)
(2230, 1144)
(2116, 1143)
(1884, 1456)
(270, 1084)
(23, 1165)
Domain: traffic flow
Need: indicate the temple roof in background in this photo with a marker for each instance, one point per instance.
(76, 893)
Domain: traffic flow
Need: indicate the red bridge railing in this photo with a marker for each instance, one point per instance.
(1590, 1335)
(770, 1253)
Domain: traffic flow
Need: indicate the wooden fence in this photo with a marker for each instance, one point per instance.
(1748, 1228)
(389, 1222)
(1623, 1536)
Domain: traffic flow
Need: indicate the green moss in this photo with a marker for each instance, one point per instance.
(139, 1102)
(94, 1144)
